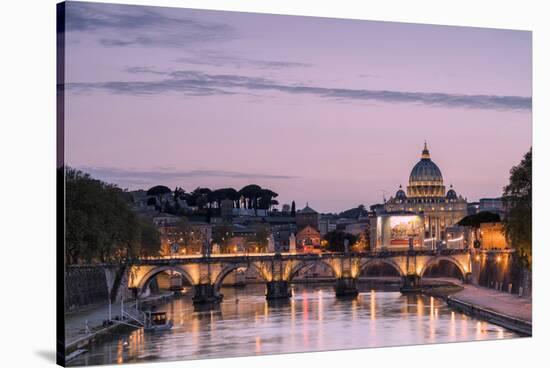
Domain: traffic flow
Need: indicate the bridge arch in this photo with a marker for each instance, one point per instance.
(308, 264)
(375, 261)
(235, 266)
(436, 259)
(146, 279)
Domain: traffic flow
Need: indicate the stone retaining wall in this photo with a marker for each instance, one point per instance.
(88, 285)
(85, 286)
(499, 270)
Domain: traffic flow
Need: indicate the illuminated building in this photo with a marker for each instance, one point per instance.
(189, 237)
(426, 195)
(492, 236)
(308, 239)
(398, 231)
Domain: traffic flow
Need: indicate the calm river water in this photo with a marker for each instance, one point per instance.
(312, 320)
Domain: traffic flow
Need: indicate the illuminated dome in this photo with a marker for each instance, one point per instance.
(426, 179)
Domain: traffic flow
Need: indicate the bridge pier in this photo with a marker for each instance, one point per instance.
(206, 294)
(346, 287)
(410, 284)
(467, 278)
(277, 290)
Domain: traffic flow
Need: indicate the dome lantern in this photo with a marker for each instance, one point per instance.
(425, 151)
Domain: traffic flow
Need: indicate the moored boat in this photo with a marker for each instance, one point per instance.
(157, 321)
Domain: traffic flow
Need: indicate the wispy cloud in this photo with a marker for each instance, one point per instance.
(155, 176)
(123, 25)
(197, 83)
(216, 59)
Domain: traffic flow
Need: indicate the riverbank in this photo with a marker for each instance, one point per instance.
(84, 327)
(503, 309)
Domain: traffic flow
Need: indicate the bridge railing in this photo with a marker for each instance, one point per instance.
(381, 253)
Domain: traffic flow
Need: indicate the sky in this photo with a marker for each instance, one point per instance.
(333, 112)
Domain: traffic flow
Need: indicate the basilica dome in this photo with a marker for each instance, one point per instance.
(426, 179)
(425, 170)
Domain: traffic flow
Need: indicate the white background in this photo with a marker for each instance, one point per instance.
(27, 179)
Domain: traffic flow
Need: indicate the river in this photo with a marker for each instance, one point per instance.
(312, 320)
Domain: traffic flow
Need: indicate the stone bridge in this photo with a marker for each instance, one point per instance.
(207, 273)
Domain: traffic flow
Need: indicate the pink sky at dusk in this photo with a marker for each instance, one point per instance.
(329, 111)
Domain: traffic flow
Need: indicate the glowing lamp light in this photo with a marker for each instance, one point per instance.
(499, 258)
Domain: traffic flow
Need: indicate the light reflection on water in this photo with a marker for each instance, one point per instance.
(313, 319)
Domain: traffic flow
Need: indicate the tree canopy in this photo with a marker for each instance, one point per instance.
(100, 226)
(221, 194)
(354, 212)
(254, 196)
(517, 197)
(336, 239)
(222, 235)
(251, 193)
(158, 190)
(477, 219)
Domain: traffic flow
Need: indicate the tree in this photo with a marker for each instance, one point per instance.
(260, 237)
(356, 212)
(152, 202)
(100, 226)
(158, 190)
(363, 241)
(201, 197)
(150, 239)
(266, 196)
(251, 193)
(477, 219)
(335, 240)
(179, 195)
(233, 195)
(222, 235)
(517, 198)
(225, 193)
(206, 195)
(293, 209)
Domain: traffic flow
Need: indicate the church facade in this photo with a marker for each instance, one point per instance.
(426, 195)
(308, 237)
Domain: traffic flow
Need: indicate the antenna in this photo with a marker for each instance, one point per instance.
(384, 192)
